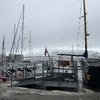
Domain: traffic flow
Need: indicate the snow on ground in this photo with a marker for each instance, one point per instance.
(19, 93)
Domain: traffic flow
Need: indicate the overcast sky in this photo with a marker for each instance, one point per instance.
(53, 23)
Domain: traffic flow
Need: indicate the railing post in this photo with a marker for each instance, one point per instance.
(42, 74)
(11, 76)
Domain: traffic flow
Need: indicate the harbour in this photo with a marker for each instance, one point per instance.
(67, 74)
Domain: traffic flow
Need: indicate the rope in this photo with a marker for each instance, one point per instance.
(68, 26)
(79, 27)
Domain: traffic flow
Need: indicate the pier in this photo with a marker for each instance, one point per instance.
(40, 72)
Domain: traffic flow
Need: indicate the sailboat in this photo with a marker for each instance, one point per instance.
(90, 66)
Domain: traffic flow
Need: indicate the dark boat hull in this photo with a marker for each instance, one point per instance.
(91, 73)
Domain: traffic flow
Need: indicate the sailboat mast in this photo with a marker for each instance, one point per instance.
(3, 48)
(14, 38)
(85, 29)
(30, 41)
(14, 35)
(22, 33)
